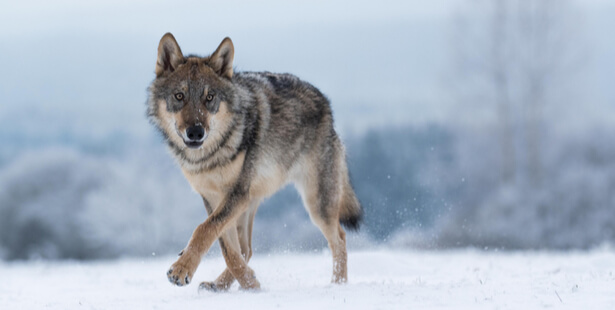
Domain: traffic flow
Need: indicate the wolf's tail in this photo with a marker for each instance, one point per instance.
(351, 213)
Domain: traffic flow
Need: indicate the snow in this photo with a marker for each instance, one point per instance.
(379, 279)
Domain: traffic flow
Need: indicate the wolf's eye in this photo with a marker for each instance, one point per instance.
(209, 97)
(179, 96)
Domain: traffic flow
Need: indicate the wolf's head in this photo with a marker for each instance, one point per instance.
(191, 98)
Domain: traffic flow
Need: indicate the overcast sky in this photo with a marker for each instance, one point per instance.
(88, 63)
(49, 17)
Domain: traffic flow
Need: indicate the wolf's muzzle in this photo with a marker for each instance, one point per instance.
(195, 135)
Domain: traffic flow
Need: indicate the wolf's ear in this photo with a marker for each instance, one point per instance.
(222, 59)
(169, 55)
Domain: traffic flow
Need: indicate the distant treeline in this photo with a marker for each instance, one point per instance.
(419, 186)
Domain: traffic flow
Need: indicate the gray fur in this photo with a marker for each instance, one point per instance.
(274, 118)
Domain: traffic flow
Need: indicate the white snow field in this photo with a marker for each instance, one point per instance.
(379, 279)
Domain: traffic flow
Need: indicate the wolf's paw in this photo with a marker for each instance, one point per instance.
(252, 286)
(183, 269)
(209, 286)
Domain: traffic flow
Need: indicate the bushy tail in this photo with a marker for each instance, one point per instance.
(351, 213)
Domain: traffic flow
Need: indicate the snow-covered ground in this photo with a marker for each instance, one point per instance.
(379, 279)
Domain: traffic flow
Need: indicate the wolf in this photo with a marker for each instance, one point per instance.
(239, 137)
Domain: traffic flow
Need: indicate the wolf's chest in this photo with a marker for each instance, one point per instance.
(214, 184)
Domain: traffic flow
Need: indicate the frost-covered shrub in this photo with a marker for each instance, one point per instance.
(42, 195)
(61, 203)
(572, 207)
(144, 209)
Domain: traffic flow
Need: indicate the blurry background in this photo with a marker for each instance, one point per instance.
(467, 123)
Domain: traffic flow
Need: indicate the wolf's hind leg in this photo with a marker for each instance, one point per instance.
(322, 197)
(336, 237)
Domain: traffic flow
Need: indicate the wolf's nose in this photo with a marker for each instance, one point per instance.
(195, 133)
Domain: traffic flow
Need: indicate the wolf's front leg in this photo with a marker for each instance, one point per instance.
(205, 234)
(237, 265)
(238, 240)
(182, 270)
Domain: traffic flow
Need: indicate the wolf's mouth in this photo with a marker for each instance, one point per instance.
(193, 144)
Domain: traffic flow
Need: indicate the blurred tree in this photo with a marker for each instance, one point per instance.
(515, 55)
(516, 69)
